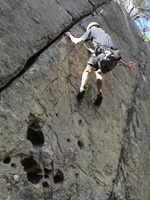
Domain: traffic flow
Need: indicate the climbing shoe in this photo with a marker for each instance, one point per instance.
(81, 93)
(98, 100)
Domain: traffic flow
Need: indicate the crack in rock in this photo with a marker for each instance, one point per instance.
(34, 57)
(126, 149)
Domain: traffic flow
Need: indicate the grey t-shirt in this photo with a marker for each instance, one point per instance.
(98, 37)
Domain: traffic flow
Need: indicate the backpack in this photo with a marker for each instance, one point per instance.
(110, 60)
(107, 65)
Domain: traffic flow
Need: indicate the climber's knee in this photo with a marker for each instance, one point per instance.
(88, 70)
(99, 74)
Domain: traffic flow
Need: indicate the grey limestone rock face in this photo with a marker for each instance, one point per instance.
(29, 26)
(52, 147)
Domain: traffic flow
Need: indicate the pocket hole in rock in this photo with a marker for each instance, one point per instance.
(34, 178)
(35, 136)
(46, 176)
(45, 184)
(7, 160)
(59, 177)
(80, 122)
(76, 175)
(68, 140)
(47, 171)
(33, 170)
(13, 165)
(81, 145)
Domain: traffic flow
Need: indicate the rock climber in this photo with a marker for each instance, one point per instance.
(102, 43)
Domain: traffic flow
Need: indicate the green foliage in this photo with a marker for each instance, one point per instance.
(140, 3)
(139, 10)
(144, 37)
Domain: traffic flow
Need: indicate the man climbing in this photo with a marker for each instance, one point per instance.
(102, 44)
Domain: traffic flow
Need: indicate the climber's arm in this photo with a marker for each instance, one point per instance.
(74, 39)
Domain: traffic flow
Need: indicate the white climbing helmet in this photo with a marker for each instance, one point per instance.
(92, 24)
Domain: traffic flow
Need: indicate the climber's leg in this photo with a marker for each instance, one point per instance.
(99, 80)
(85, 76)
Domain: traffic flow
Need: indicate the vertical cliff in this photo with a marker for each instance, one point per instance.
(50, 146)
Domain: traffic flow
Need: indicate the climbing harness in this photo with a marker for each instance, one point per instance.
(111, 53)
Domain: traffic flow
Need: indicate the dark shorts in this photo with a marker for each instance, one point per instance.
(94, 62)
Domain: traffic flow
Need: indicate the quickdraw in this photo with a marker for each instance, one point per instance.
(130, 65)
